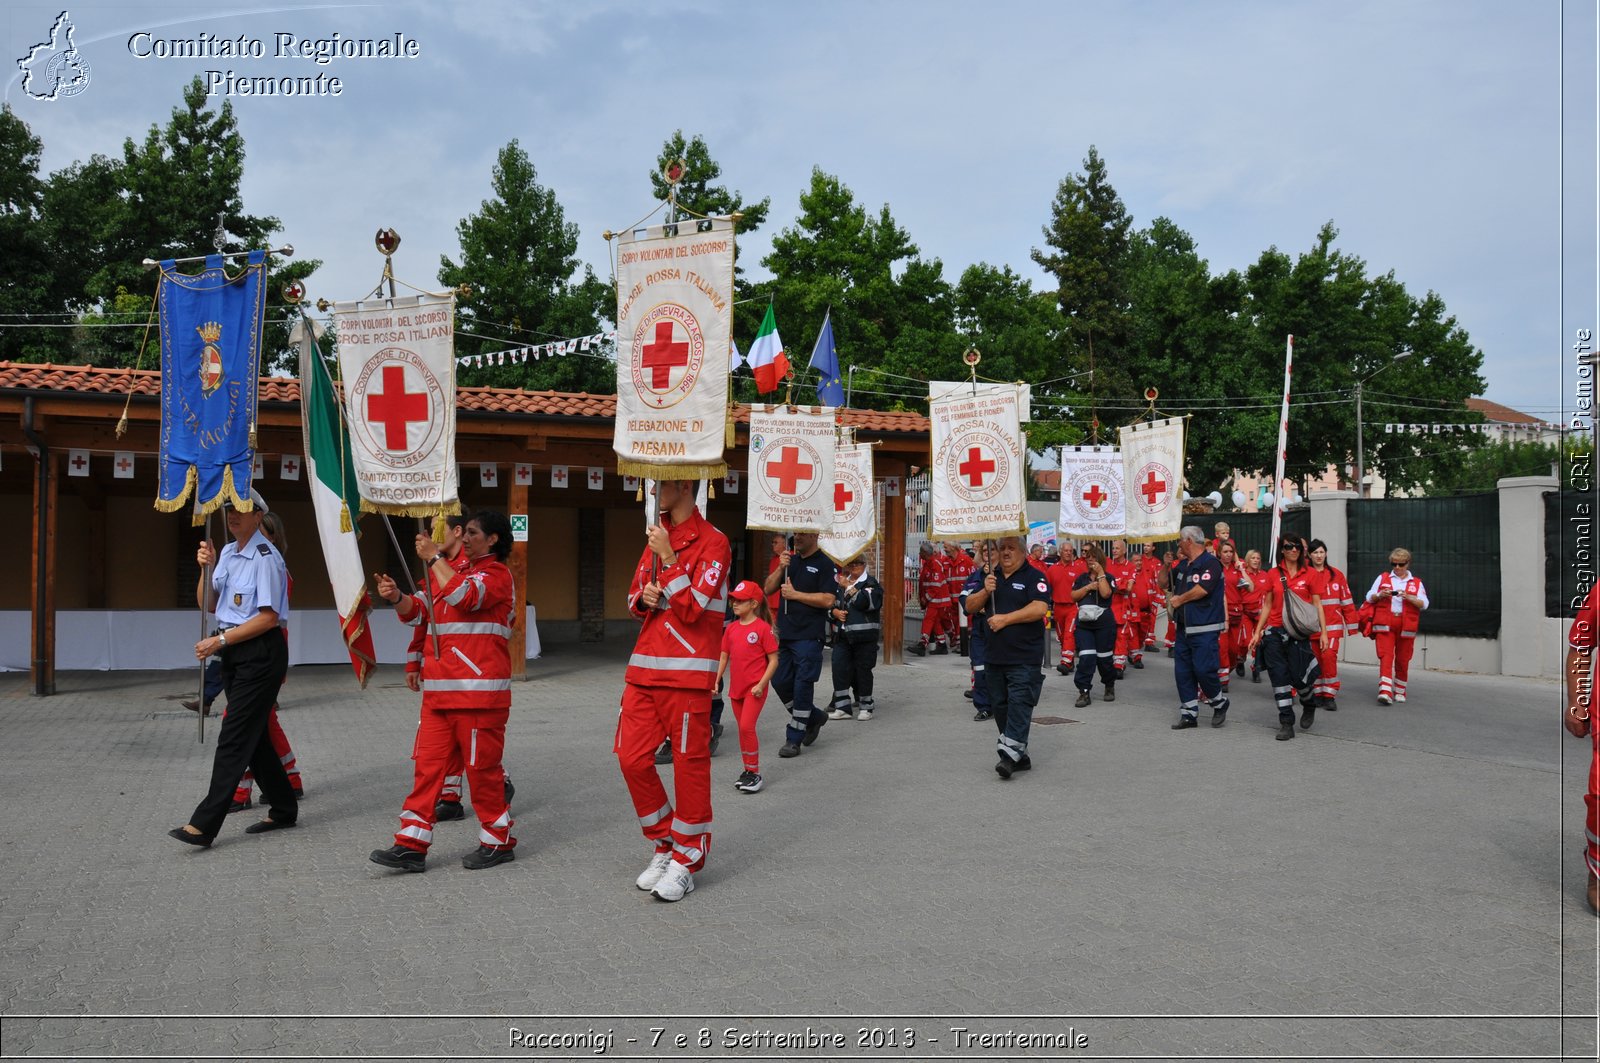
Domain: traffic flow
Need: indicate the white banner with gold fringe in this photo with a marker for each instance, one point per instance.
(976, 479)
(1091, 493)
(855, 504)
(674, 330)
(791, 468)
(1152, 471)
(397, 358)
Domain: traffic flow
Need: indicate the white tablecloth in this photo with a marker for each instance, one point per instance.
(108, 640)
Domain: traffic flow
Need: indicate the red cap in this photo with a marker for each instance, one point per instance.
(747, 591)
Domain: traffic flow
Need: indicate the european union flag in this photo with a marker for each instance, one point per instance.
(210, 358)
(825, 360)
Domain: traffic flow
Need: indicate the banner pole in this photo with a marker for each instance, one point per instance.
(205, 583)
(1283, 448)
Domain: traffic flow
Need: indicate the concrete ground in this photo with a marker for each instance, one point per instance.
(1400, 882)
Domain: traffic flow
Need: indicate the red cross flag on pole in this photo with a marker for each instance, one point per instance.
(791, 469)
(855, 511)
(975, 482)
(674, 341)
(397, 361)
(1152, 469)
(122, 465)
(1091, 493)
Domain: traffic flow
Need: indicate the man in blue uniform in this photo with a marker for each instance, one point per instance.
(249, 592)
(1014, 656)
(1197, 602)
(805, 582)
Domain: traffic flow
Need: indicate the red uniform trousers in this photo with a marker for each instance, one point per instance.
(1591, 851)
(478, 736)
(1147, 627)
(1394, 662)
(1241, 628)
(1327, 685)
(1225, 655)
(651, 715)
(746, 711)
(937, 619)
(1066, 617)
(1129, 641)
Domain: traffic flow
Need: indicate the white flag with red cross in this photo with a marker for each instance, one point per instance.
(674, 339)
(1091, 493)
(397, 360)
(791, 469)
(1152, 473)
(558, 476)
(975, 483)
(289, 466)
(122, 465)
(855, 508)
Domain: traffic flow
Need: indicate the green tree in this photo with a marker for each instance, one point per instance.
(890, 307)
(31, 299)
(519, 256)
(1470, 469)
(1086, 250)
(698, 195)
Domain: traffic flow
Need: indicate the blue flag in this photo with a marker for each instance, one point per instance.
(825, 360)
(210, 358)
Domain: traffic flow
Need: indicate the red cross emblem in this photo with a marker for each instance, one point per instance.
(664, 355)
(78, 462)
(290, 467)
(124, 464)
(524, 474)
(559, 475)
(842, 496)
(788, 470)
(1152, 488)
(976, 467)
(396, 408)
(1094, 496)
(671, 349)
(597, 477)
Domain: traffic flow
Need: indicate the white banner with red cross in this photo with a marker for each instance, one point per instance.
(976, 479)
(791, 469)
(1091, 493)
(674, 331)
(855, 504)
(397, 361)
(1152, 471)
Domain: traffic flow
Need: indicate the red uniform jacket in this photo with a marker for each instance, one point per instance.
(1124, 575)
(935, 588)
(1338, 607)
(473, 613)
(680, 640)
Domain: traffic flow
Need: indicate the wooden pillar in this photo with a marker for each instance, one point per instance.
(43, 650)
(893, 575)
(517, 503)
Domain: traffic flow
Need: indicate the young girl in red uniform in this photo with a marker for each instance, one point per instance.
(1340, 611)
(749, 658)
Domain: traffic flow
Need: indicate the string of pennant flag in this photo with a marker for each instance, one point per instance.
(521, 355)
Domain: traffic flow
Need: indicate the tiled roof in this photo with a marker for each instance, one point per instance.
(92, 380)
(1493, 411)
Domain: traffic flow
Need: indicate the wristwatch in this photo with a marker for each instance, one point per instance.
(222, 637)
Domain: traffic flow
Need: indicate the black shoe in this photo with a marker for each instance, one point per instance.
(1218, 719)
(1063, 669)
(1137, 662)
(967, 694)
(1328, 703)
(790, 750)
(511, 791)
(239, 806)
(1003, 767)
(664, 752)
(1023, 765)
(266, 825)
(1238, 669)
(920, 649)
(447, 810)
(1308, 716)
(1109, 695)
(814, 727)
(1285, 731)
(716, 737)
(1185, 722)
(1083, 700)
(1255, 675)
(299, 793)
(194, 706)
(982, 714)
(488, 856)
(1171, 652)
(1121, 673)
(941, 650)
(400, 858)
(201, 840)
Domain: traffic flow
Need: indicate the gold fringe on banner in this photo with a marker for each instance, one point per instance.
(190, 481)
(345, 524)
(711, 491)
(645, 470)
(638, 496)
(421, 511)
(441, 529)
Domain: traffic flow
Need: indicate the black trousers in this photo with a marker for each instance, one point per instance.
(252, 672)
(852, 666)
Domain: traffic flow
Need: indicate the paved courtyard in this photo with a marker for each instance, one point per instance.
(1401, 882)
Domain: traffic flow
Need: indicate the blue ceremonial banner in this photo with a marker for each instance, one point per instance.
(825, 360)
(210, 359)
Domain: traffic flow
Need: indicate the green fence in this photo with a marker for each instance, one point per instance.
(1455, 551)
(1569, 550)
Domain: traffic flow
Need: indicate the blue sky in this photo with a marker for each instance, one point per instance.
(1431, 134)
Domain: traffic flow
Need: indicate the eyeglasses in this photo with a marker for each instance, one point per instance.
(1290, 546)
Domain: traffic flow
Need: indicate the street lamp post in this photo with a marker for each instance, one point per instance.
(1361, 469)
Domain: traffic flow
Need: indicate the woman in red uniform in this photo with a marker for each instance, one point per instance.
(1399, 599)
(1291, 663)
(1231, 647)
(1250, 600)
(1339, 610)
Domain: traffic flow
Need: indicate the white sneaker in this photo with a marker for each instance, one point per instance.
(1399, 699)
(1384, 699)
(839, 714)
(675, 883)
(658, 866)
(750, 783)
(863, 714)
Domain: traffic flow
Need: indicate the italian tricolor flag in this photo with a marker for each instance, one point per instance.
(766, 355)
(334, 497)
